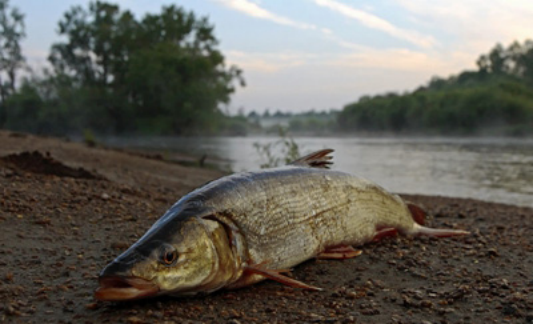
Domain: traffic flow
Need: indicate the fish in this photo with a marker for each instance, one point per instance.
(251, 226)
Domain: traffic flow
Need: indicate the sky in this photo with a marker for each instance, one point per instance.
(299, 55)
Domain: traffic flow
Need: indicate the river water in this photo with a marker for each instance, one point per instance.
(491, 169)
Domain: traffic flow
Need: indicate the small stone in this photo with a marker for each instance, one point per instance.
(233, 321)
(510, 309)
(120, 245)
(43, 221)
(426, 303)
(91, 306)
(10, 310)
(134, 320)
(8, 173)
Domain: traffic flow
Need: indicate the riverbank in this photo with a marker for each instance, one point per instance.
(66, 210)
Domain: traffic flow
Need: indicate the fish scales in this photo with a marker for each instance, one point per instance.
(311, 208)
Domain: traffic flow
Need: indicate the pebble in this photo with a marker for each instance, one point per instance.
(10, 310)
(91, 306)
(233, 321)
(135, 320)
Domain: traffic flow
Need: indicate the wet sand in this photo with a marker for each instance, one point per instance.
(66, 210)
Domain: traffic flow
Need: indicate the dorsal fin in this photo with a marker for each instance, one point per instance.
(319, 159)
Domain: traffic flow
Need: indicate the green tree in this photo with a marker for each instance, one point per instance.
(96, 56)
(11, 59)
(162, 73)
(521, 57)
(497, 58)
(179, 73)
(496, 99)
(515, 60)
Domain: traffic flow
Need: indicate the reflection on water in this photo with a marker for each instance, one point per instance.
(497, 170)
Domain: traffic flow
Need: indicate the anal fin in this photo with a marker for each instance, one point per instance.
(339, 253)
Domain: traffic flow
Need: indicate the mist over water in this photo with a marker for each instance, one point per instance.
(491, 169)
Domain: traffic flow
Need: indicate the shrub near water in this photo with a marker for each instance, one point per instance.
(281, 151)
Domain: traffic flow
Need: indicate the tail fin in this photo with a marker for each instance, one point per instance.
(419, 215)
(437, 232)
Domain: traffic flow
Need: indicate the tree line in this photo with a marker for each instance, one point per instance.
(114, 73)
(164, 74)
(495, 100)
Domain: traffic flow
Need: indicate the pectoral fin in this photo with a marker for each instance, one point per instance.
(277, 276)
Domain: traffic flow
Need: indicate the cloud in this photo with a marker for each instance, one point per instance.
(474, 25)
(254, 10)
(268, 62)
(374, 22)
(406, 60)
(361, 58)
(299, 81)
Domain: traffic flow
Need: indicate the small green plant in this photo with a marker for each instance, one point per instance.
(285, 144)
(89, 138)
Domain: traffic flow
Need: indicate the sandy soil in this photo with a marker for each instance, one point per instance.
(66, 210)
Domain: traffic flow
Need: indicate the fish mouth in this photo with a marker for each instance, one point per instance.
(117, 288)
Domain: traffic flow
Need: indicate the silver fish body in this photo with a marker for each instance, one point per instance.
(291, 214)
(246, 227)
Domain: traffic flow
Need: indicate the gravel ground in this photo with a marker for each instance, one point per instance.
(66, 210)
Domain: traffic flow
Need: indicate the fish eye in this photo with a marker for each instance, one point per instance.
(169, 255)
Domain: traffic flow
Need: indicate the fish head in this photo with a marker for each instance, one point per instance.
(189, 257)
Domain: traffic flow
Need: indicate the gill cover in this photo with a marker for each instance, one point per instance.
(178, 255)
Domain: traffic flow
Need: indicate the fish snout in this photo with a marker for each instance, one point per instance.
(116, 269)
(117, 288)
(116, 283)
